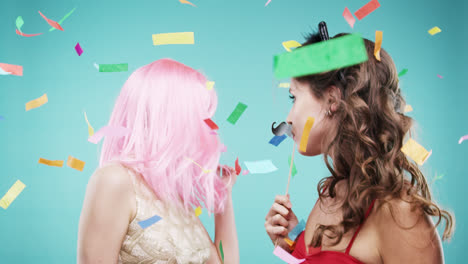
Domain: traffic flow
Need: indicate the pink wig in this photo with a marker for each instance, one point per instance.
(164, 104)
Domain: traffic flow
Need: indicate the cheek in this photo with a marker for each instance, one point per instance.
(314, 140)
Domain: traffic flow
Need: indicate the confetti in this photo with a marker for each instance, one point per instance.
(276, 140)
(305, 134)
(12, 69)
(211, 124)
(267, 3)
(2, 118)
(221, 250)
(51, 22)
(187, 2)
(198, 211)
(2, 72)
(238, 111)
(245, 172)
(349, 17)
(122, 67)
(284, 85)
(440, 76)
(416, 152)
(291, 44)
(297, 230)
(285, 256)
(260, 167)
(210, 85)
(173, 38)
(378, 44)
(290, 243)
(463, 139)
(321, 57)
(90, 128)
(367, 9)
(11, 194)
(194, 162)
(434, 30)
(149, 222)
(294, 170)
(27, 35)
(113, 131)
(63, 19)
(238, 167)
(78, 49)
(403, 72)
(55, 163)
(19, 23)
(75, 163)
(408, 108)
(36, 102)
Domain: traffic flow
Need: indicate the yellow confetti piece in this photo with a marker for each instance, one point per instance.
(378, 44)
(416, 152)
(198, 211)
(12, 193)
(305, 134)
(408, 108)
(291, 44)
(210, 85)
(186, 2)
(36, 102)
(173, 38)
(284, 85)
(203, 169)
(289, 241)
(90, 128)
(55, 163)
(434, 30)
(75, 163)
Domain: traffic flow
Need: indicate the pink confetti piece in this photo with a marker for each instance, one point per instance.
(463, 139)
(109, 131)
(51, 22)
(78, 49)
(440, 76)
(245, 172)
(349, 17)
(268, 2)
(285, 256)
(12, 69)
(27, 35)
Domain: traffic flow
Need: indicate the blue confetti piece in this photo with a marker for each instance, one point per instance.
(150, 221)
(276, 140)
(297, 230)
(2, 118)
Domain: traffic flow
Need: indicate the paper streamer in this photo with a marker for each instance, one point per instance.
(260, 167)
(238, 167)
(305, 134)
(109, 131)
(403, 72)
(284, 85)
(221, 250)
(297, 230)
(11, 194)
(291, 44)
(52, 22)
(149, 222)
(408, 108)
(238, 111)
(462, 139)
(210, 85)
(55, 163)
(367, 9)
(349, 17)
(173, 38)
(187, 2)
(37, 102)
(90, 128)
(198, 211)
(434, 30)
(19, 23)
(211, 124)
(285, 256)
(294, 170)
(75, 163)
(12, 69)
(63, 19)
(321, 57)
(276, 140)
(78, 49)
(416, 152)
(378, 44)
(27, 35)
(200, 166)
(122, 67)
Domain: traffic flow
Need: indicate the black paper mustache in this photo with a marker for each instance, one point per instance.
(281, 129)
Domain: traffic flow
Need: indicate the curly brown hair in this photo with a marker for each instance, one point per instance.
(365, 144)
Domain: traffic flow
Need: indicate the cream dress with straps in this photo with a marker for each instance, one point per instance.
(178, 237)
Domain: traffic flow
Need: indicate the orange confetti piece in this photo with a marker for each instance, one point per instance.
(36, 102)
(378, 44)
(75, 163)
(187, 2)
(13, 69)
(55, 163)
(27, 35)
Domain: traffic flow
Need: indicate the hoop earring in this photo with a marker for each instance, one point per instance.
(328, 113)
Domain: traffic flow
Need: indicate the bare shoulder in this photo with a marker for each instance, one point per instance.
(112, 177)
(406, 234)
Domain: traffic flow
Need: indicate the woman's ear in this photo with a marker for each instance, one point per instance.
(333, 97)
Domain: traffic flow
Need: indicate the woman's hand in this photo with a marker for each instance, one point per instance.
(280, 220)
(229, 176)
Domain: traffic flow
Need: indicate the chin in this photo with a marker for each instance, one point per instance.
(310, 153)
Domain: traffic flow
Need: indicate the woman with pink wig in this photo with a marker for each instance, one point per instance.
(165, 166)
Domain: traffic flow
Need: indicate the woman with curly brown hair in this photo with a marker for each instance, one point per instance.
(376, 206)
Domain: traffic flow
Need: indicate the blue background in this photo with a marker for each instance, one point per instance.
(234, 45)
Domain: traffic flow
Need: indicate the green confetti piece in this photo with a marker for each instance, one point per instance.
(63, 19)
(294, 171)
(235, 115)
(19, 23)
(221, 250)
(113, 67)
(321, 57)
(403, 72)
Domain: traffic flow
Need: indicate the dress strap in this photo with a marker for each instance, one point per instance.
(359, 228)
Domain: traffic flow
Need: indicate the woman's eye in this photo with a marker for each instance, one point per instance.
(292, 97)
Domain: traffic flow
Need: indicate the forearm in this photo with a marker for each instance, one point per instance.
(225, 231)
